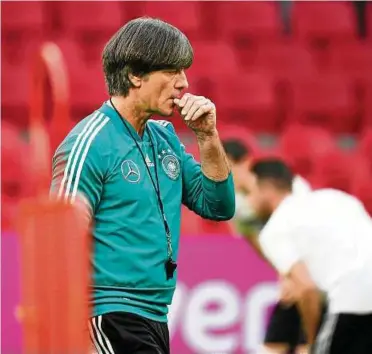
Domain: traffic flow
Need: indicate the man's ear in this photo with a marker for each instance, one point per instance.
(135, 80)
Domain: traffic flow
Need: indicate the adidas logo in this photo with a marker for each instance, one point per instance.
(148, 161)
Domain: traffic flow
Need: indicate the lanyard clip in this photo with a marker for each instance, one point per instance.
(170, 267)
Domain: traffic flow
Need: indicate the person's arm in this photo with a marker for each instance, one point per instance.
(208, 188)
(77, 178)
(308, 299)
(280, 249)
(211, 199)
(214, 162)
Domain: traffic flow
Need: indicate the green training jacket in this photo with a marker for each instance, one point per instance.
(100, 160)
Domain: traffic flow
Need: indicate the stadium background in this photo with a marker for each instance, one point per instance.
(292, 79)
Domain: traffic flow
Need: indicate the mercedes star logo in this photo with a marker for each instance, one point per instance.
(130, 171)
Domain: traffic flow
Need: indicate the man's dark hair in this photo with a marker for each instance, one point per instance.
(275, 171)
(235, 149)
(141, 46)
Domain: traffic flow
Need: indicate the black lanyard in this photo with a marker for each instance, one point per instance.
(170, 264)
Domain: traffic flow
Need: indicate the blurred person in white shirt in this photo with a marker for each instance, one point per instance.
(318, 241)
(284, 333)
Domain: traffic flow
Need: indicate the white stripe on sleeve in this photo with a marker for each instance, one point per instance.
(72, 153)
(87, 134)
(81, 164)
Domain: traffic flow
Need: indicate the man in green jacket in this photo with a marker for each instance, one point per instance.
(134, 174)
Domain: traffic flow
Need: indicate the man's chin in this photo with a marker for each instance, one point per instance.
(165, 113)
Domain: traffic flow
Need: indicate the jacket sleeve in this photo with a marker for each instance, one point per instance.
(209, 199)
(77, 173)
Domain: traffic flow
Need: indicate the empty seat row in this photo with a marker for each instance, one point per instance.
(241, 22)
(327, 100)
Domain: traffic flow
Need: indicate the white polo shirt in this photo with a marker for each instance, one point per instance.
(331, 232)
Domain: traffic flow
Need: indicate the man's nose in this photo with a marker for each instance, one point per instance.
(182, 83)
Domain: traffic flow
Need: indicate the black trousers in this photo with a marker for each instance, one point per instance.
(126, 333)
(345, 334)
(285, 326)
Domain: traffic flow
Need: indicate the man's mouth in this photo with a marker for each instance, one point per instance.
(176, 96)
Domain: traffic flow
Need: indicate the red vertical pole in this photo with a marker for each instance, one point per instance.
(54, 240)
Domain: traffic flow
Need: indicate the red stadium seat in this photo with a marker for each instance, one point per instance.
(15, 93)
(367, 105)
(91, 16)
(249, 21)
(324, 21)
(13, 153)
(286, 59)
(333, 171)
(91, 24)
(362, 189)
(230, 131)
(360, 166)
(365, 145)
(353, 60)
(25, 16)
(211, 60)
(301, 146)
(327, 101)
(86, 81)
(248, 100)
(184, 15)
(131, 10)
(22, 26)
(340, 170)
(13, 172)
(21, 29)
(248, 24)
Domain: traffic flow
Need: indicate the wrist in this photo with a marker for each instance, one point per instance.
(202, 136)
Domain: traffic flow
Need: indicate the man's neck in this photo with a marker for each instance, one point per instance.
(131, 112)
